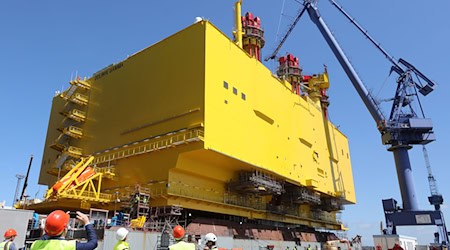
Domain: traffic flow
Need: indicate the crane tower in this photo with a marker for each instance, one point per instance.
(401, 129)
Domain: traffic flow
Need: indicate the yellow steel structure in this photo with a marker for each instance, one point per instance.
(138, 222)
(238, 29)
(185, 116)
(74, 185)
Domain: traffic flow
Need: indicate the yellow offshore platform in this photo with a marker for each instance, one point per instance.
(198, 121)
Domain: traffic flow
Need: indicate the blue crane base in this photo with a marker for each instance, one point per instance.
(395, 216)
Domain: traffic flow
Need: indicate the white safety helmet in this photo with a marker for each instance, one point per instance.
(210, 237)
(121, 233)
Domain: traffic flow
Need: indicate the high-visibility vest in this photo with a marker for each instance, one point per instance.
(5, 245)
(181, 245)
(54, 244)
(121, 245)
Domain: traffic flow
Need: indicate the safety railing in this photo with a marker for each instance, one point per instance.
(74, 151)
(77, 115)
(195, 192)
(81, 83)
(87, 195)
(108, 172)
(80, 99)
(73, 131)
(150, 145)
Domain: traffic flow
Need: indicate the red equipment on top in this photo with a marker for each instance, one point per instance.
(290, 70)
(253, 37)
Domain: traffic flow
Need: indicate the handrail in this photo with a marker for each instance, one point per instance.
(149, 146)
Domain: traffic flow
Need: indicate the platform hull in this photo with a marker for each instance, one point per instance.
(186, 116)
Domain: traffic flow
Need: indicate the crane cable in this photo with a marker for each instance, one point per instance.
(291, 27)
(279, 21)
(278, 28)
(377, 96)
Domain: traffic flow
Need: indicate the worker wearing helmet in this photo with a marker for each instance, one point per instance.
(56, 229)
(8, 243)
(178, 235)
(210, 240)
(121, 236)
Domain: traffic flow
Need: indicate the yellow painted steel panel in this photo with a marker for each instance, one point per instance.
(252, 116)
(155, 91)
(148, 168)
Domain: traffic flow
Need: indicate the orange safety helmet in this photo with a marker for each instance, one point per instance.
(10, 233)
(178, 232)
(56, 222)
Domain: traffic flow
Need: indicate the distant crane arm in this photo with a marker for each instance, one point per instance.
(274, 54)
(432, 181)
(435, 198)
(25, 183)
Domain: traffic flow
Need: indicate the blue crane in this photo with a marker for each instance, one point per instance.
(403, 127)
(435, 197)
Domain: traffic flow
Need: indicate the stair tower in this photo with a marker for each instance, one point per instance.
(164, 219)
(139, 207)
(74, 112)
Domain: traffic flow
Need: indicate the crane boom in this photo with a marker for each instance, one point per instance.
(365, 95)
(353, 21)
(25, 183)
(396, 66)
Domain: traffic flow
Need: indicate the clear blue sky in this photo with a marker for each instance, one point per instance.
(43, 42)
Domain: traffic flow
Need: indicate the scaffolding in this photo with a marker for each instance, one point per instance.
(256, 182)
(244, 200)
(301, 195)
(330, 204)
(138, 207)
(164, 219)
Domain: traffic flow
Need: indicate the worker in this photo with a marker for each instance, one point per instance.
(121, 236)
(397, 247)
(178, 235)
(210, 240)
(56, 230)
(8, 243)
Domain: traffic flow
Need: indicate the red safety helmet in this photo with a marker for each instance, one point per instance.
(178, 232)
(10, 233)
(56, 222)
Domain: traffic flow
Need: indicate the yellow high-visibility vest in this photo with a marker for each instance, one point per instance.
(181, 245)
(54, 244)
